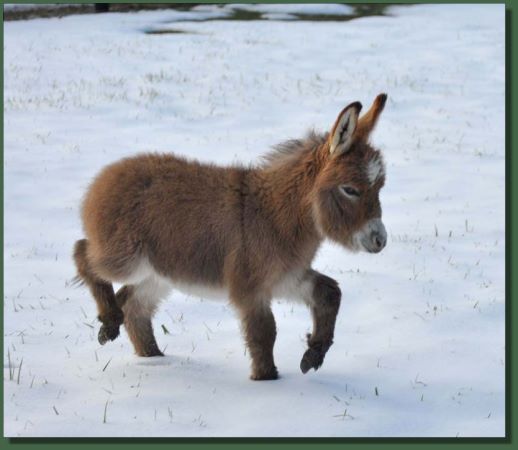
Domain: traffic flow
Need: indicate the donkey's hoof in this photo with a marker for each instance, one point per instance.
(312, 359)
(108, 333)
(271, 374)
(150, 353)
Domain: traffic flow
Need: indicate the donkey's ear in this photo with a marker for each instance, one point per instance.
(341, 136)
(368, 121)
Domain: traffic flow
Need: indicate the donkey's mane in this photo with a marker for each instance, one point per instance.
(290, 150)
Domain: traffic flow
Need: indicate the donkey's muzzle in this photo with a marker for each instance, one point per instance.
(376, 237)
(378, 241)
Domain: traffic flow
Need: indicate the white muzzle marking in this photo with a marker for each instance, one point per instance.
(372, 237)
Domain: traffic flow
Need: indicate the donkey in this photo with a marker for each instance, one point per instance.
(156, 220)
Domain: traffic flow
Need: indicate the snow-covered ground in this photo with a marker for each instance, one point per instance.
(419, 346)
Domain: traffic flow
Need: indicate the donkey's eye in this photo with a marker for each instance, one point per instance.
(349, 191)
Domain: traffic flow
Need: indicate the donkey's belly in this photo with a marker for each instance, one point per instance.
(201, 290)
(146, 278)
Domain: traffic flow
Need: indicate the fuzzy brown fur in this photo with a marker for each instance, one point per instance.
(247, 230)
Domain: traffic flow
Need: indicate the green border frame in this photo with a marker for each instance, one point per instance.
(511, 211)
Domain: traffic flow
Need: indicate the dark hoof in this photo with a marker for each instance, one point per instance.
(108, 333)
(150, 353)
(111, 323)
(271, 374)
(313, 358)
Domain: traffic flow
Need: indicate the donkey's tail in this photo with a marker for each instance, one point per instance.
(110, 314)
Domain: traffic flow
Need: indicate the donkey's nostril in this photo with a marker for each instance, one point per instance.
(378, 241)
(377, 237)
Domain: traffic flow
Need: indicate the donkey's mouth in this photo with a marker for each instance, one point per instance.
(373, 245)
(372, 250)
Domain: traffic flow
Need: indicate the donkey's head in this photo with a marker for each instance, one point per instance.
(346, 202)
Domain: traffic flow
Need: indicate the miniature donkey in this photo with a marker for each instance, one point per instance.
(157, 220)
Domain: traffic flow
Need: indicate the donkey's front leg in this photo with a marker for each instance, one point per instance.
(324, 303)
(259, 330)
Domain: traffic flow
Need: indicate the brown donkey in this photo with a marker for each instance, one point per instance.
(157, 220)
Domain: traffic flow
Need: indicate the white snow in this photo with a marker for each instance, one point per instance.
(419, 345)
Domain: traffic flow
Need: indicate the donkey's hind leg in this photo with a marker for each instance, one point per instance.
(110, 314)
(324, 302)
(139, 304)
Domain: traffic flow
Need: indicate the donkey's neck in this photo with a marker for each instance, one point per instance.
(284, 188)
